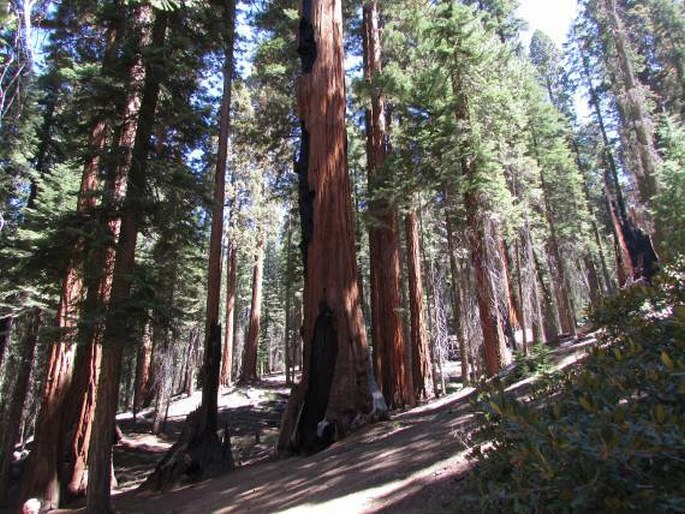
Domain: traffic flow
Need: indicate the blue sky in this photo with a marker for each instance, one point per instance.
(553, 17)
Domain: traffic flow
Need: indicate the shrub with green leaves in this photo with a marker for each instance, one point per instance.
(612, 439)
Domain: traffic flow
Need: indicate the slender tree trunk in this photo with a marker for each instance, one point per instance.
(116, 326)
(200, 447)
(456, 290)
(334, 395)
(250, 353)
(190, 361)
(510, 315)
(12, 411)
(289, 277)
(387, 329)
(561, 285)
(143, 369)
(421, 358)
(231, 287)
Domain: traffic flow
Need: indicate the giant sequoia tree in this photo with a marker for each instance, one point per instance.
(334, 395)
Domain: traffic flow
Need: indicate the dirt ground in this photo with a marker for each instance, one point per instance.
(415, 462)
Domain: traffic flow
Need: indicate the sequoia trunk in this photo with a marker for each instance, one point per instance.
(249, 368)
(334, 395)
(386, 322)
(421, 355)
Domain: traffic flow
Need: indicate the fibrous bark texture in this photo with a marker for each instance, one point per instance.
(116, 326)
(335, 346)
(386, 322)
(249, 368)
(421, 355)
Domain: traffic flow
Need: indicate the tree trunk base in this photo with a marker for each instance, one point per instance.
(197, 454)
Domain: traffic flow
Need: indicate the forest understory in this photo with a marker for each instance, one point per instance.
(415, 462)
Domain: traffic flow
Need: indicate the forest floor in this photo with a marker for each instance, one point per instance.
(415, 462)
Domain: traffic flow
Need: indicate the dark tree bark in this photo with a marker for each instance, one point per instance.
(143, 381)
(386, 322)
(6, 326)
(199, 452)
(250, 352)
(334, 396)
(12, 411)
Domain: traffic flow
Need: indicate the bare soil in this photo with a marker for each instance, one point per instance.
(415, 462)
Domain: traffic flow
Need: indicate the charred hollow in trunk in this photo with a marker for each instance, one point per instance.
(314, 433)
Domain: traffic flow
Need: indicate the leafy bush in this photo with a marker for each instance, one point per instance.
(612, 439)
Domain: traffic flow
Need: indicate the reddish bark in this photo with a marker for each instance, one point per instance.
(231, 287)
(136, 138)
(334, 394)
(143, 369)
(421, 356)
(386, 327)
(491, 320)
(249, 367)
(42, 468)
(212, 353)
(479, 229)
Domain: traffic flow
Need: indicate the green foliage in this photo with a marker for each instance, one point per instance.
(613, 438)
(537, 362)
(670, 202)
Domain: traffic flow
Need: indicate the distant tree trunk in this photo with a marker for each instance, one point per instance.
(491, 321)
(231, 287)
(421, 357)
(250, 352)
(548, 307)
(635, 255)
(509, 309)
(455, 290)
(190, 362)
(560, 283)
(538, 319)
(334, 395)
(12, 411)
(143, 369)
(116, 326)
(289, 277)
(199, 448)
(386, 327)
